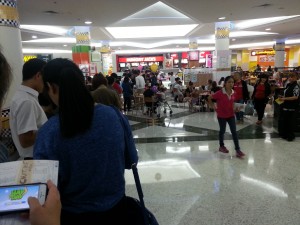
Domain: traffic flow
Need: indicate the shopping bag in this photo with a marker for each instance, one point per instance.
(249, 108)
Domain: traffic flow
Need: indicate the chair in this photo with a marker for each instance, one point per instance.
(150, 103)
(138, 103)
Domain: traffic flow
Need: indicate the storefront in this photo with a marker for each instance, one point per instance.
(131, 62)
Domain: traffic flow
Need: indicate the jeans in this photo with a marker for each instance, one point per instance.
(239, 115)
(127, 102)
(232, 126)
(260, 105)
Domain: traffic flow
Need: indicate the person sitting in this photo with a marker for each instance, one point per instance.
(82, 137)
(177, 90)
(151, 106)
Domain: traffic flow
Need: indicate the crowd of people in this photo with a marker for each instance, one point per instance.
(80, 133)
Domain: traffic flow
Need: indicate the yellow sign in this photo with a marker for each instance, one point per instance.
(28, 57)
(263, 52)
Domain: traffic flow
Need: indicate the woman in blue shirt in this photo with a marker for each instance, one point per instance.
(89, 143)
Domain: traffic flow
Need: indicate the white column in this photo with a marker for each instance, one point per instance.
(279, 54)
(222, 54)
(10, 44)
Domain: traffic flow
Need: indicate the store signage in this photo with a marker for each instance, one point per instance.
(263, 52)
(142, 59)
(28, 57)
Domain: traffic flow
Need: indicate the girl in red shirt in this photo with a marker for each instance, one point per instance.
(261, 93)
(225, 114)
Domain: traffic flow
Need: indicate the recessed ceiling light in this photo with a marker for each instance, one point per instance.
(88, 22)
(222, 18)
(65, 45)
(268, 29)
(233, 39)
(33, 36)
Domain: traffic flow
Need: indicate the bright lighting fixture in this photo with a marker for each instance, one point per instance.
(45, 29)
(88, 22)
(248, 33)
(151, 31)
(268, 29)
(34, 36)
(65, 45)
(31, 50)
(248, 45)
(257, 22)
(54, 40)
(293, 41)
(222, 18)
(233, 39)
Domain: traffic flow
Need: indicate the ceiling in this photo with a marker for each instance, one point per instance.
(116, 13)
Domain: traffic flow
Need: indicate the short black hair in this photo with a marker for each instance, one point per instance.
(32, 67)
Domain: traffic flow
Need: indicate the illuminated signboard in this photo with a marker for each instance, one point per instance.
(142, 59)
(263, 52)
(28, 57)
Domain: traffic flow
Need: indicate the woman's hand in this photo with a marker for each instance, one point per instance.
(49, 213)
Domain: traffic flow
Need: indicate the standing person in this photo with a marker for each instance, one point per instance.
(225, 114)
(276, 76)
(241, 95)
(288, 109)
(89, 143)
(127, 94)
(172, 80)
(5, 79)
(139, 82)
(26, 114)
(260, 96)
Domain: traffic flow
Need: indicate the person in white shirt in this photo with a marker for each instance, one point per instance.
(26, 114)
(139, 81)
(178, 90)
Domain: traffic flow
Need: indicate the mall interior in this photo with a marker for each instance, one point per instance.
(185, 179)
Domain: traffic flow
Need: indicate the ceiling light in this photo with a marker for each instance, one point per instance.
(88, 22)
(30, 50)
(34, 36)
(257, 22)
(147, 31)
(248, 33)
(65, 45)
(222, 18)
(248, 45)
(233, 39)
(45, 29)
(268, 29)
(54, 40)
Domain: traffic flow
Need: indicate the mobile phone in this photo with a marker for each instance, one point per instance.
(13, 198)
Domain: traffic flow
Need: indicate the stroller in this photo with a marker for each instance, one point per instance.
(162, 102)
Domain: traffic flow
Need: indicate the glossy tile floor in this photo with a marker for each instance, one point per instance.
(187, 181)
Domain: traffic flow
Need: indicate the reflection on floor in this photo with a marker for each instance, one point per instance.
(187, 181)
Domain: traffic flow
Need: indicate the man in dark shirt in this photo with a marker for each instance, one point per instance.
(288, 109)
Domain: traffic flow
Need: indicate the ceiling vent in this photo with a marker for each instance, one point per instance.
(263, 5)
(50, 12)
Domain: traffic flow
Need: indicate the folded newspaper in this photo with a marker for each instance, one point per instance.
(26, 172)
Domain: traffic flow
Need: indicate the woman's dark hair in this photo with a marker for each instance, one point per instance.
(227, 78)
(126, 79)
(5, 77)
(214, 84)
(98, 80)
(76, 105)
(220, 81)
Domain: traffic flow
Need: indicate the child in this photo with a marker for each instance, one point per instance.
(225, 113)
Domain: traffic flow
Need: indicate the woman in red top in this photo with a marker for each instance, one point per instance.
(260, 95)
(225, 114)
